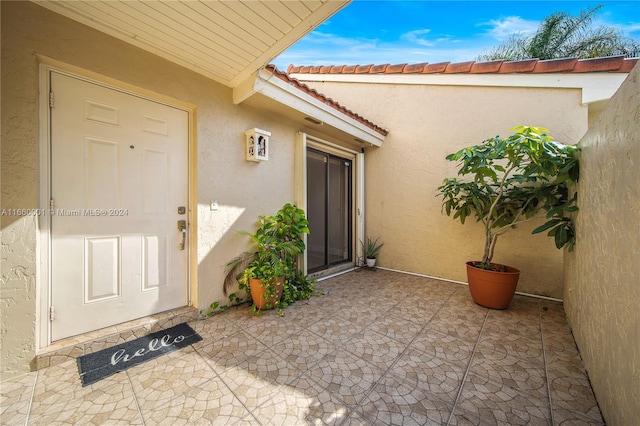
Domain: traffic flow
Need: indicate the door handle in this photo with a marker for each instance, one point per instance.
(182, 227)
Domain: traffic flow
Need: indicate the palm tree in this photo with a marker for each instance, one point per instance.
(564, 36)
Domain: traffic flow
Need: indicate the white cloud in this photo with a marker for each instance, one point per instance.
(503, 28)
(416, 37)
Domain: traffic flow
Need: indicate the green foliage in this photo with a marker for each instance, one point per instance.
(564, 36)
(509, 181)
(216, 308)
(300, 287)
(277, 242)
(371, 248)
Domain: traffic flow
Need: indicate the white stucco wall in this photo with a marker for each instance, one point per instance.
(426, 123)
(243, 190)
(602, 293)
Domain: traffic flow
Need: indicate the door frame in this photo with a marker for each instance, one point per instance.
(305, 141)
(43, 253)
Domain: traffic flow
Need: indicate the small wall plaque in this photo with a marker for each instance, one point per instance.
(257, 144)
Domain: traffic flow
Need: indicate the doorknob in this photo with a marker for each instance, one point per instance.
(182, 227)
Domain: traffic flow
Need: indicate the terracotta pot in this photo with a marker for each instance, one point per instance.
(258, 291)
(492, 289)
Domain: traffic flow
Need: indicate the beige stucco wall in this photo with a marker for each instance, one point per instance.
(243, 190)
(602, 292)
(426, 123)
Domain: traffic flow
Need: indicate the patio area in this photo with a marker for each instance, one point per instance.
(378, 348)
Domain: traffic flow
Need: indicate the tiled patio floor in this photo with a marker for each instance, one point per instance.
(378, 348)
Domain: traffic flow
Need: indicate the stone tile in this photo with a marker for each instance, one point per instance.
(271, 330)
(285, 410)
(208, 402)
(214, 329)
(572, 397)
(305, 349)
(59, 398)
(417, 390)
(507, 323)
(443, 346)
(489, 401)
(15, 397)
(361, 318)
(230, 351)
(345, 375)
(396, 328)
(270, 365)
(510, 348)
(161, 379)
(250, 390)
(59, 356)
(181, 388)
(355, 419)
(303, 402)
(337, 330)
(375, 348)
(304, 314)
(461, 324)
(418, 312)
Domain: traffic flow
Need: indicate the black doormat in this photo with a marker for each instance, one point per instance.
(107, 362)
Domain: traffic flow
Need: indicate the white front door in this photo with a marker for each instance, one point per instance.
(119, 174)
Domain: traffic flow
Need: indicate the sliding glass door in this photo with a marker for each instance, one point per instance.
(329, 210)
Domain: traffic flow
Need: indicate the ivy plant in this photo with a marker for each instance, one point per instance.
(504, 182)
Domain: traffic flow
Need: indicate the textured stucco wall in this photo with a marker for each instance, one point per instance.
(243, 190)
(602, 292)
(426, 123)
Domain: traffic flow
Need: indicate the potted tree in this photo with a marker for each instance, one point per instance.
(271, 267)
(370, 251)
(508, 182)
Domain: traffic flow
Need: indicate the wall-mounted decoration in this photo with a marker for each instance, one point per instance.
(257, 144)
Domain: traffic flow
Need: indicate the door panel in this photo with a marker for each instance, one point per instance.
(119, 171)
(329, 201)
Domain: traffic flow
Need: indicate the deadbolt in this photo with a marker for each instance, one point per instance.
(182, 210)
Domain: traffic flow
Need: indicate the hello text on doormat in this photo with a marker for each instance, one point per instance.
(106, 362)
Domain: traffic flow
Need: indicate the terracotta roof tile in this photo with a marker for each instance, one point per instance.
(393, 69)
(628, 65)
(378, 68)
(414, 68)
(556, 65)
(435, 68)
(362, 69)
(486, 67)
(573, 65)
(460, 67)
(319, 96)
(526, 65)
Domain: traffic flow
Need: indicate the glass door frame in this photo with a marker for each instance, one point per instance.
(330, 195)
(305, 141)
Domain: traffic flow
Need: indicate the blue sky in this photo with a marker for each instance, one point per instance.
(380, 32)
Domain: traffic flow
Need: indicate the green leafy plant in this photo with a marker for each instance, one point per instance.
(371, 248)
(216, 308)
(511, 181)
(277, 243)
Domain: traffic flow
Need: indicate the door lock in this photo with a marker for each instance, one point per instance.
(182, 227)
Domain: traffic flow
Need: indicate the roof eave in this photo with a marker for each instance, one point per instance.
(266, 84)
